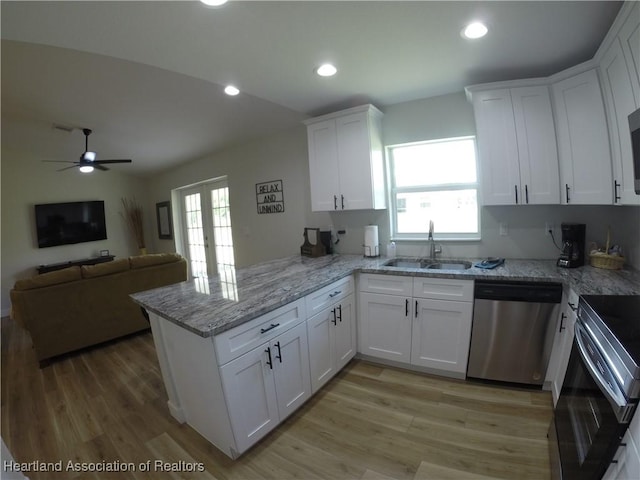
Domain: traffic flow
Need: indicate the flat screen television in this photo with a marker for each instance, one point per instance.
(71, 222)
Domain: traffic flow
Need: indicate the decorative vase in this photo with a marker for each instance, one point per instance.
(143, 250)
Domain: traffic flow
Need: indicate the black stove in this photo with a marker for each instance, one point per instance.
(614, 320)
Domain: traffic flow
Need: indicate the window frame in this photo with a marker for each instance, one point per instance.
(393, 190)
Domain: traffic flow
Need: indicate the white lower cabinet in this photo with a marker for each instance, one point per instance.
(385, 326)
(429, 326)
(237, 386)
(265, 385)
(332, 340)
(441, 335)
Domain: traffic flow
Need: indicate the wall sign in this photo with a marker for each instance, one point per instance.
(270, 197)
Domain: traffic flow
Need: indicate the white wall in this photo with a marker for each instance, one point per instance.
(25, 182)
(256, 237)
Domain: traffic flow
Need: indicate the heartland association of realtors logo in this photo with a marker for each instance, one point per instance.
(270, 197)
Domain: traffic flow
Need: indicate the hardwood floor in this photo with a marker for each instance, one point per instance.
(108, 404)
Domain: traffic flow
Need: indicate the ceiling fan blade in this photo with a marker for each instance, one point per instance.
(122, 160)
(60, 161)
(66, 168)
(99, 167)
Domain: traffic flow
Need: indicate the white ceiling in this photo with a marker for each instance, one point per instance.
(147, 76)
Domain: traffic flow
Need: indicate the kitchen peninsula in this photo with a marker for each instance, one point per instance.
(241, 351)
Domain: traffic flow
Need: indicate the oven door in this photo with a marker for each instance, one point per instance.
(591, 412)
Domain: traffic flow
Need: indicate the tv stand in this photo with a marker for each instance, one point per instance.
(72, 263)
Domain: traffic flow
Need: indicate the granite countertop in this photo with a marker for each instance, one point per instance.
(209, 306)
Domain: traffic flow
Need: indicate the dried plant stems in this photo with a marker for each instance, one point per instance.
(133, 216)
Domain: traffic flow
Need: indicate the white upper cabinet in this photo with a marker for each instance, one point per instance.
(537, 148)
(629, 37)
(583, 140)
(497, 146)
(516, 144)
(346, 166)
(619, 72)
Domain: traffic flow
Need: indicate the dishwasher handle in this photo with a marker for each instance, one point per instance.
(538, 292)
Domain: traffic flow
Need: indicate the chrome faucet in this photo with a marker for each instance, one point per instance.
(433, 248)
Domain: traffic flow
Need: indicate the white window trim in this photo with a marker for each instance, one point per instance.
(392, 190)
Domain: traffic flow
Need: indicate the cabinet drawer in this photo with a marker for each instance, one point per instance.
(328, 295)
(386, 284)
(239, 340)
(443, 289)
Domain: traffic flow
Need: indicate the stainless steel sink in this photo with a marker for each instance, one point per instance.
(405, 263)
(428, 264)
(454, 265)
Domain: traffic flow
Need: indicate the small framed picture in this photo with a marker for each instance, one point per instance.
(104, 253)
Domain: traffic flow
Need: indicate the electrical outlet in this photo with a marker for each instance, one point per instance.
(504, 229)
(548, 228)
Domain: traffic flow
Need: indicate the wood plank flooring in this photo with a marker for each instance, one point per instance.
(371, 422)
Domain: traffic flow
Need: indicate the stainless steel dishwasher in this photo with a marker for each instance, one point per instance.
(513, 329)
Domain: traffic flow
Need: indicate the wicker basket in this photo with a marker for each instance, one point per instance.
(610, 262)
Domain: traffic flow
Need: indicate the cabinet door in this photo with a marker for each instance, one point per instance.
(441, 335)
(354, 162)
(345, 333)
(583, 141)
(321, 331)
(537, 148)
(497, 147)
(251, 396)
(384, 326)
(290, 361)
(630, 40)
(323, 165)
(619, 98)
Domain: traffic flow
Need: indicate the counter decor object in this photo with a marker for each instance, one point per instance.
(610, 259)
(308, 249)
(371, 246)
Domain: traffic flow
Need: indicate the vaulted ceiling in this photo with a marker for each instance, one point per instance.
(148, 76)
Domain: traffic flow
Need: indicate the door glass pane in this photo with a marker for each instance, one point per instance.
(195, 235)
(221, 214)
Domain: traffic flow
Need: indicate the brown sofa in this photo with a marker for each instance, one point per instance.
(78, 307)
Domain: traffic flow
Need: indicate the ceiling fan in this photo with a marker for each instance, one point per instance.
(88, 160)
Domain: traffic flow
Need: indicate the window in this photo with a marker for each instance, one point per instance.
(434, 181)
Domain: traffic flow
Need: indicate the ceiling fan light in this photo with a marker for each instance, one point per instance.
(88, 156)
(86, 169)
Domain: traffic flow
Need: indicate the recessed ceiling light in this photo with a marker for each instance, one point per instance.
(231, 90)
(213, 3)
(475, 30)
(326, 70)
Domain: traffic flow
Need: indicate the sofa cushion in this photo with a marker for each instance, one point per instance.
(107, 268)
(142, 261)
(65, 275)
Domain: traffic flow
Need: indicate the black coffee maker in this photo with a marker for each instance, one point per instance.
(572, 245)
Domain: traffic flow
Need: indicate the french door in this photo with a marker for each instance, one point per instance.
(206, 221)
